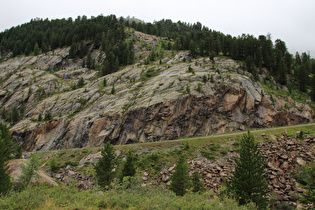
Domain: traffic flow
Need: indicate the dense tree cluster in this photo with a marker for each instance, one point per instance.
(255, 52)
(107, 33)
(82, 34)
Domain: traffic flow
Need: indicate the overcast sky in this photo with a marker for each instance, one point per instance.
(289, 20)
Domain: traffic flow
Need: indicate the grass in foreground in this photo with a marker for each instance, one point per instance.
(135, 197)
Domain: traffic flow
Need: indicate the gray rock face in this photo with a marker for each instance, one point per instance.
(172, 104)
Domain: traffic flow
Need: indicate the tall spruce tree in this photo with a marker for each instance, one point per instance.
(307, 177)
(5, 136)
(303, 76)
(313, 88)
(197, 184)
(313, 81)
(104, 167)
(5, 181)
(248, 182)
(89, 61)
(129, 167)
(282, 72)
(180, 180)
(15, 115)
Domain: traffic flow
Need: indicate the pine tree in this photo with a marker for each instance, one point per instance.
(192, 48)
(313, 88)
(177, 44)
(3, 114)
(129, 168)
(39, 117)
(89, 61)
(308, 178)
(80, 83)
(197, 184)
(313, 81)
(36, 49)
(48, 116)
(282, 72)
(180, 180)
(5, 181)
(18, 151)
(29, 170)
(248, 182)
(211, 56)
(5, 136)
(83, 63)
(116, 66)
(104, 167)
(303, 76)
(15, 115)
(113, 91)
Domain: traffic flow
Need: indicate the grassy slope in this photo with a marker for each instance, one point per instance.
(137, 197)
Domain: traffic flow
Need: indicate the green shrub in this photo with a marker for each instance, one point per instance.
(70, 163)
(301, 135)
(191, 70)
(60, 154)
(85, 150)
(199, 88)
(48, 116)
(188, 89)
(80, 83)
(54, 165)
(236, 143)
(214, 147)
(186, 146)
(113, 91)
(204, 79)
(145, 75)
(223, 151)
(208, 154)
(155, 156)
(212, 79)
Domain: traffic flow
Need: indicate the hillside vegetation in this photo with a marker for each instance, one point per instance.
(153, 171)
(71, 89)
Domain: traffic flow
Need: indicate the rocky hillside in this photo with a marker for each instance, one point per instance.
(177, 96)
(283, 154)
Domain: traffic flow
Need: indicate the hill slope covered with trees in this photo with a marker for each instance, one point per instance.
(108, 34)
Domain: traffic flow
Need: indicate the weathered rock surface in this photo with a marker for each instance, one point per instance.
(173, 104)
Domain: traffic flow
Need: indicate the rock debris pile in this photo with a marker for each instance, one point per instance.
(282, 156)
(69, 174)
